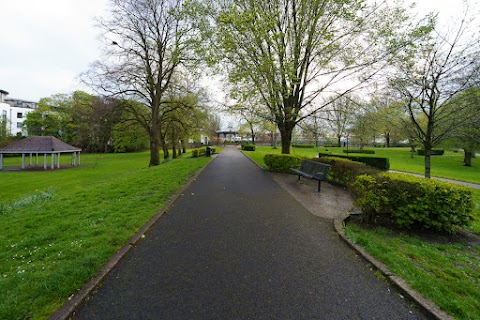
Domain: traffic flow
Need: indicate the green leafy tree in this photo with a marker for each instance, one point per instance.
(294, 52)
(48, 118)
(467, 136)
(339, 115)
(128, 134)
(364, 127)
(147, 43)
(442, 67)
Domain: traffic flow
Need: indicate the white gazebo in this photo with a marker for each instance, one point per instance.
(42, 146)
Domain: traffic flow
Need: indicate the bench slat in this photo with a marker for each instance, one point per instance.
(313, 170)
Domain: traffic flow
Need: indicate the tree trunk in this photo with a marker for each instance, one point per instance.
(467, 159)
(154, 136)
(184, 146)
(387, 139)
(286, 134)
(428, 151)
(174, 145)
(339, 140)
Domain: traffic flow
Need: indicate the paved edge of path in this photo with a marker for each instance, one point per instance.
(430, 308)
(76, 299)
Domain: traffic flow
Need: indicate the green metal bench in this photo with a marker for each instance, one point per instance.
(312, 170)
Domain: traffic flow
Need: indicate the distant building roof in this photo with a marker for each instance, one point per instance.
(3, 91)
(46, 144)
(227, 130)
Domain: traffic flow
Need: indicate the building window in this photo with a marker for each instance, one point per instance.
(19, 115)
(19, 125)
(4, 115)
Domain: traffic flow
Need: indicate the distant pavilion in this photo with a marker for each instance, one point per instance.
(35, 145)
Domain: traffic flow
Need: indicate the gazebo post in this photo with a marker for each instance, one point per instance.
(1, 161)
(23, 160)
(78, 157)
(58, 160)
(36, 159)
(45, 161)
(30, 160)
(52, 166)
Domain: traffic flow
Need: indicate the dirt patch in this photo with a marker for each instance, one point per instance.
(329, 203)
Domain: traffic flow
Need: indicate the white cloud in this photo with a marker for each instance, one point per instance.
(46, 44)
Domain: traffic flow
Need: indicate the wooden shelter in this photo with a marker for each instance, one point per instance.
(35, 145)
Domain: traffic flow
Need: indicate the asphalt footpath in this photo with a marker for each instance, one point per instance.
(236, 245)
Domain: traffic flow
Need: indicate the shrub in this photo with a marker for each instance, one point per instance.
(412, 202)
(248, 147)
(433, 152)
(201, 152)
(281, 162)
(366, 151)
(377, 162)
(344, 171)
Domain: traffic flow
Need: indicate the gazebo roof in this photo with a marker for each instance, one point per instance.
(34, 144)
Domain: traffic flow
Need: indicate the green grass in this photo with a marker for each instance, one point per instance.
(60, 227)
(448, 274)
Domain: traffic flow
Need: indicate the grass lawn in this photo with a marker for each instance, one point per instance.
(60, 227)
(446, 273)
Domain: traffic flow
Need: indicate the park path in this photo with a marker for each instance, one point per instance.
(236, 245)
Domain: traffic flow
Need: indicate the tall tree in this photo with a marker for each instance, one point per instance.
(339, 114)
(442, 67)
(49, 118)
(293, 52)
(146, 43)
(467, 136)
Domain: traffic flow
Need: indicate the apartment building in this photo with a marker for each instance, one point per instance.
(13, 112)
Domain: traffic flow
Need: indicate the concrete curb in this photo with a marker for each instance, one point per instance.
(427, 306)
(75, 300)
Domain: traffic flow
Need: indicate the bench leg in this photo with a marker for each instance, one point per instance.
(298, 177)
(319, 185)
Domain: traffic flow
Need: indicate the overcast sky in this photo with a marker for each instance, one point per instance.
(45, 45)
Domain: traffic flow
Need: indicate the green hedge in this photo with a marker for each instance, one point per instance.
(344, 171)
(434, 152)
(281, 162)
(201, 152)
(377, 162)
(412, 202)
(248, 147)
(365, 151)
(303, 146)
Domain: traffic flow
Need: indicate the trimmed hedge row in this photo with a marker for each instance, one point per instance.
(201, 152)
(303, 146)
(366, 151)
(248, 147)
(412, 202)
(281, 162)
(344, 171)
(434, 152)
(381, 163)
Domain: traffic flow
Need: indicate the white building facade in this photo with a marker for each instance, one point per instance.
(13, 113)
